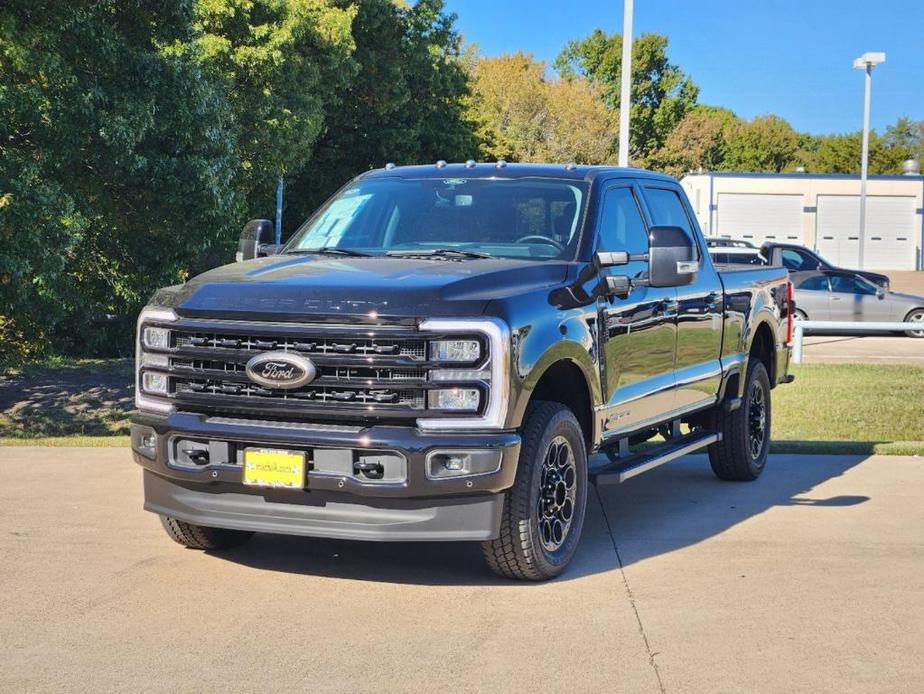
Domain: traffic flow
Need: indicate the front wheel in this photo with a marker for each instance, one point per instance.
(201, 537)
(916, 316)
(544, 511)
(741, 455)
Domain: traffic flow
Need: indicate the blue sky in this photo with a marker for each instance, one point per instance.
(754, 56)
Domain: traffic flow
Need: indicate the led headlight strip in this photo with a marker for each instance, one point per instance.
(496, 372)
(142, 402)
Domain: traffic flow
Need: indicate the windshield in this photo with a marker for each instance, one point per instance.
(529, 218)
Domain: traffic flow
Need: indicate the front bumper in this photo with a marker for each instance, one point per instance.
(333, 504)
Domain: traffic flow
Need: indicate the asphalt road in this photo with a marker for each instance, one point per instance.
(811, 579)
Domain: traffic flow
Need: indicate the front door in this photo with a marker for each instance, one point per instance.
(855, 299)
(638, 333)
(700, 309)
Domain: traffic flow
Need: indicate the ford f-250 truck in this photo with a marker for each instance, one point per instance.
(436, 352)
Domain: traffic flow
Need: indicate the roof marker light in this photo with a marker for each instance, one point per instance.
(441, 164)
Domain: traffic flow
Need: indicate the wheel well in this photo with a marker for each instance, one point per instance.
(914, 310)
(762, 349)
(564, 382)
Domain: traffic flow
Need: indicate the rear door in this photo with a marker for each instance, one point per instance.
(700, 307)
(638, 333)
(813, 296)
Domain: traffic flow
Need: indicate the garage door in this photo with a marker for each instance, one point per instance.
(892, 228)
(758, 218)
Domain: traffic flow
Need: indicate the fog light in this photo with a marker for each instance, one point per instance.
(455, 350)
(154, 382)
(454, 463)
(464, 399)
(144, 441)
(442, 464)
(156, 338)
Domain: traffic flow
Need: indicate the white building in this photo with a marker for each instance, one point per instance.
(821, 211)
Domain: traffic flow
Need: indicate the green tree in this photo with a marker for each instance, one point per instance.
(887, 152)
(116, 168)
(697, 142)
(520, 115)
(283, 65)
(766, 143)
(662, 94)
(404, 104)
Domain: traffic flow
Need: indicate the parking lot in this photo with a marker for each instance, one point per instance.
(808, 580)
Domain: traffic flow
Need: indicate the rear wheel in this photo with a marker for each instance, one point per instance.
(916, 316)
(799, 315)
(741, 455)
(544, 511)
(201, 537)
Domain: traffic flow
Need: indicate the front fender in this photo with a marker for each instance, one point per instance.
(539, 346)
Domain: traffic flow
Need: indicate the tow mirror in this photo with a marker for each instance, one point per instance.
(257, 239)
(672, 257)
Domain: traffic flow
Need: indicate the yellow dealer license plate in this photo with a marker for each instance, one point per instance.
(271, 468)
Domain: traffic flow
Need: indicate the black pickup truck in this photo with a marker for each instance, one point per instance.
(437, 351)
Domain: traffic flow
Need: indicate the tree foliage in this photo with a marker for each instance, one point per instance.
(116, 167)
(521, 115)
(662, 94)
(403, 105)
(766, 143)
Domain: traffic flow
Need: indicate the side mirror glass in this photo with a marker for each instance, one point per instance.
(257, 239)
(672, 257)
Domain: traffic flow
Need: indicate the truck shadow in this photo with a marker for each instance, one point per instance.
(673, 507)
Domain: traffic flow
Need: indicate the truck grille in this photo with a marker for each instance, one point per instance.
(366, 372)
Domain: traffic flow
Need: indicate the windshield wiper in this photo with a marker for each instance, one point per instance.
(439, 253)
(328, 250)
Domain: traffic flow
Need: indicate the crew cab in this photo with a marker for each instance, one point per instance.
(438, 351)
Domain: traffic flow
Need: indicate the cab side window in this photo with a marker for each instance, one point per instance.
(794, 260)
(667, 210)
(621, 224)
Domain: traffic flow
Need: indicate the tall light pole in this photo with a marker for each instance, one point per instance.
(625, 94)
(866, 62)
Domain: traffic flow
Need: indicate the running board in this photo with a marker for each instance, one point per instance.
(643, 462)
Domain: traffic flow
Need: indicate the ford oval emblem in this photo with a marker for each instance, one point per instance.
(280, 370)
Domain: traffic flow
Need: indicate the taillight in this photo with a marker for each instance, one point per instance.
(790, 310)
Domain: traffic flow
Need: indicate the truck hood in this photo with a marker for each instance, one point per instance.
(289, 287)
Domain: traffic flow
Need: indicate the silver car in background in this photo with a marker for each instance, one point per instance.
(844, 296)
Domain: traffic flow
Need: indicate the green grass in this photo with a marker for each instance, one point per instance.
(851, 408)
(830, 408)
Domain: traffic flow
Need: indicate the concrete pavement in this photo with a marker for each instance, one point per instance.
(862, 349)
(811, 579)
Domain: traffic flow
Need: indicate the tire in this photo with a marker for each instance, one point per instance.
(201, 537)
(738, 457)
(535, 542)
(798, 315)
(915, 316)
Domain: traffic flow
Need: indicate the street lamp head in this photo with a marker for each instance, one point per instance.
(869, 60)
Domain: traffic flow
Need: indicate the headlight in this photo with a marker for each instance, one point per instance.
(459, 399)
(155, 338)
(152, 383)
(455, 350)
(479, 406)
